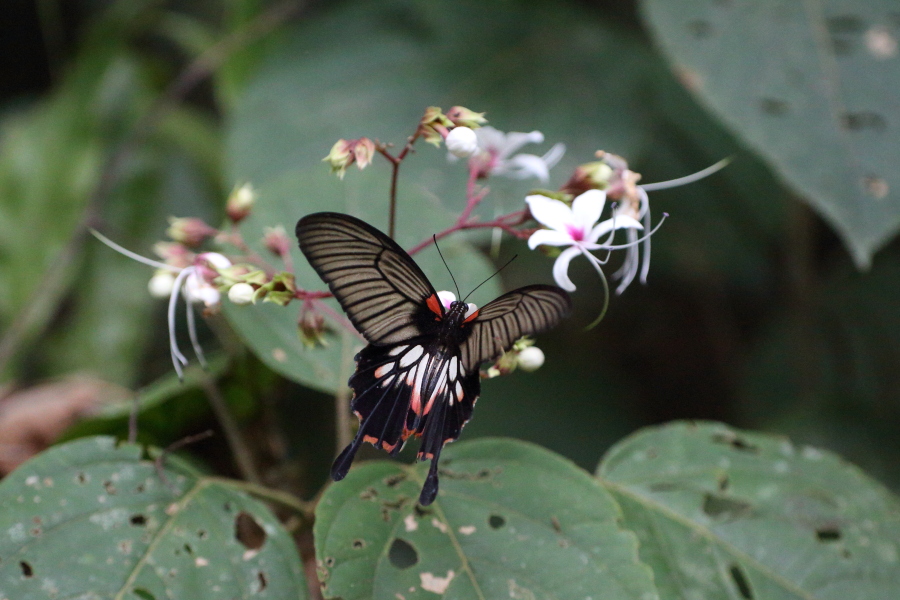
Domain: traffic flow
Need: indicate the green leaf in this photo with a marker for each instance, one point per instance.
(511, 520)
(811, 87)
(726, 514)
(89, 519)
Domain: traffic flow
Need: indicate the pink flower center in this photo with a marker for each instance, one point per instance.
(576, 233)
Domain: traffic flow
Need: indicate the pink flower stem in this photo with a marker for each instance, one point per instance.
(506, 223)
(395, 171)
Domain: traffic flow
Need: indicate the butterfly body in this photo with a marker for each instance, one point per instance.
(419, 376)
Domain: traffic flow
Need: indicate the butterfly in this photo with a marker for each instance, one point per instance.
(419, 376)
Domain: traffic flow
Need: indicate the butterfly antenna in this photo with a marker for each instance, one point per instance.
(491, 277)
(458, 294)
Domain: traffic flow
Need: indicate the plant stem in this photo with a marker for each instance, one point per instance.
(260, 491)
(243, 458)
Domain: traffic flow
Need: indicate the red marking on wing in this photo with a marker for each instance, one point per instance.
(434, 305)
(471, 317)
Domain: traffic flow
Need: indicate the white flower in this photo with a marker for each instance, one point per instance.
(531, 358)
(462, 142)
(196, 281)
(241, 293)
(577, 227)
(496, 155)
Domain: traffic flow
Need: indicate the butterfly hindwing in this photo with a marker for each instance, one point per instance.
(409, 389)
(382, 290)
(525, 311)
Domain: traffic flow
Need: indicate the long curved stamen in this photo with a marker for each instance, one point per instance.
(664, 185)
(178, 359)
(645, 267)
(595, 262)
(132, 255)
(639, 240)
(192, 332)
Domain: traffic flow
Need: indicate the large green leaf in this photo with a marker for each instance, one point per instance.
(512, 520)
(727, 514)
(91, 520)
(811, 86)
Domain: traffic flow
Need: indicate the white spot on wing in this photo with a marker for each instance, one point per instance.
(459, 391)
(380, 371)
(388, 381)
(397, 350)
(454, 368)
(412, 356)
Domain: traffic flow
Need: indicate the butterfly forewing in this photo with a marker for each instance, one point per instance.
(376, 282)
(525, 311)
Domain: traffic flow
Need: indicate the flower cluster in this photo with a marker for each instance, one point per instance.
(571, 223)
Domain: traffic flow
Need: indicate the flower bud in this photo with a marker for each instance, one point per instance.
(311, 327)
(276, 240)
(463, 117)
(241, 293)
(240, 203)
(434, 125)
(363, 151)
(531, 358)
(161, 284)
(174, 254)
(340, 157)
(189, 231)
(589, 176)
(279, 290)
(462, 142)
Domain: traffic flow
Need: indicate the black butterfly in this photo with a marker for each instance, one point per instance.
(419, 374)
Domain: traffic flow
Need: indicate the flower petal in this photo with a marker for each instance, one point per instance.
(587, 207)
(446, 298)
(550, 237)
(620, 222)
(523, 166)
(549, 212)
(561, 268)
(554, 155)
(515, 140)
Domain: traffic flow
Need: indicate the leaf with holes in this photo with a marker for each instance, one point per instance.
(512, 520)
(726, 514)
(812, 87)
(90, 519)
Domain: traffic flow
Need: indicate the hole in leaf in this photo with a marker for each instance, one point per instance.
(359, 544)
(110, 488)
(201, 533)
(828, 534)
(140, 489)
(845, 553)
(394, 480)
(138, 520)
(740, 581)
(774, 107)
(263, 582)
(329, 562)
(143, 594)
(248, 532)
(864, 120)
(27, 571)
(227, 507)
(81, 478)
(717, 506)
(402, 554)
(700, 28)
(368, 494)
(735, 442)
(496, 521)
(188, 549)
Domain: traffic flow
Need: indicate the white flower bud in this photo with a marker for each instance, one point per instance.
(216, 260)
(241, 293)
(462, 142)
(531, 358)
(161, 284)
